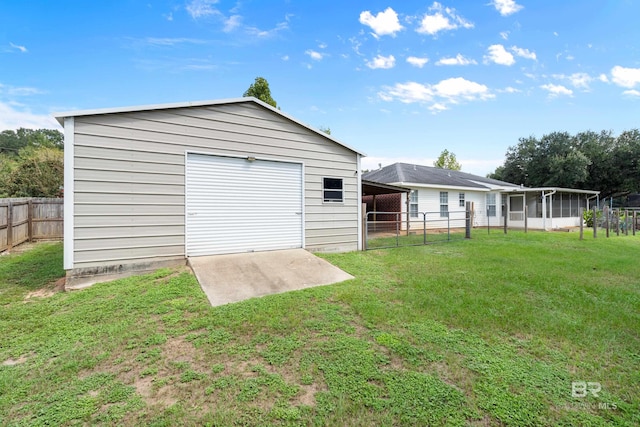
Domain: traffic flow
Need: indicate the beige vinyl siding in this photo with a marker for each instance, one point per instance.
(129, 177)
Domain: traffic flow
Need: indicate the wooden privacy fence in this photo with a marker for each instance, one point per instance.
(26, 220)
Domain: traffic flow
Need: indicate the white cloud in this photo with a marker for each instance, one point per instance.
(458, 88)
(577, 80)
(625, 77)
(316, 56)
(457, 60)
(383, 24)
(20, 48)
(322, 46)
(504, 35)
(603, 78)
(285, 57)
(14, 116)
(556, 90)
(267, 33)
(523, 53)
(417, 62)
(201, 8)
(510, 89)
(631, 92)
(498, 54)
(440, 95)
(407, 93)
(444, 19)
(384, 62)
(231, 23)
(506, 7)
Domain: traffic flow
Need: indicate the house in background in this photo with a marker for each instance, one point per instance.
(148, 186)
(443, 193)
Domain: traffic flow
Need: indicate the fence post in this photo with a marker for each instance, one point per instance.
(365, 226)
(398, 219)
(617, 221)
(605, 212)
(488, 221)
(448, 226)
(581, 223)
(504, 213)
(595, 222)
(626, 222)
(424, 228)
(30, 219)
(526, 218)
(467, 223)
(634, 223)
(10, 227)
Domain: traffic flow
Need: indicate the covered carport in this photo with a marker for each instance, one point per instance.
(378, 197)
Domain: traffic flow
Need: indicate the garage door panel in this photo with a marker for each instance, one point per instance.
(234, 205)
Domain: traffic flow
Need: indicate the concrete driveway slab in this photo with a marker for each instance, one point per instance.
(237, 277)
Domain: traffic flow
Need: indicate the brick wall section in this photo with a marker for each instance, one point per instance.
(384, 203)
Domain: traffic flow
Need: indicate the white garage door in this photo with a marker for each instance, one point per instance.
(234, 205)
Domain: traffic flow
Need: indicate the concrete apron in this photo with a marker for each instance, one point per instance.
(237, 277)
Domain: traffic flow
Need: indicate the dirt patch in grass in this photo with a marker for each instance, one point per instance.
(12, 362)
(47, 291)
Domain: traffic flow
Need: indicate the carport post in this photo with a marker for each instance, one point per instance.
(581, 223)
(595, 222)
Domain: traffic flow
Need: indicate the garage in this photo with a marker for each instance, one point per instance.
(242, 205)
(148, 186)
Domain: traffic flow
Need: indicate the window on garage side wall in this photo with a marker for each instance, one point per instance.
(332, 190)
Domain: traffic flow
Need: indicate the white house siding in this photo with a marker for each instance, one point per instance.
(129, 184)
(429, 202)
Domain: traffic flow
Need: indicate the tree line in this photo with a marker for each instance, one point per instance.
(587, 160)
(31, 163)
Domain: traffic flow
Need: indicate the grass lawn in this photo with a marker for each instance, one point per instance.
(491, 331)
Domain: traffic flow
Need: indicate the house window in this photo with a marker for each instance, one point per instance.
(413, 204)
(444, 204)
(491, 204)
(461, 200)
(332, 190)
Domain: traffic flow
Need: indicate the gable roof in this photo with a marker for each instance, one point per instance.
(78, 113)
(405, 173)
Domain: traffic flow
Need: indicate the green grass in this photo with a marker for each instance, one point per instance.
(490, 331)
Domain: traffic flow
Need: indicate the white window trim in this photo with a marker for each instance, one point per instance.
(332, 202)
(446, 205)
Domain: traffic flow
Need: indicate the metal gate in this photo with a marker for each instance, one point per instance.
(393, 229)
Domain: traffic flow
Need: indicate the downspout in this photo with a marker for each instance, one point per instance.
(544, 209)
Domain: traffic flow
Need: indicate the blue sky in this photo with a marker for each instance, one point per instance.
(399, 80)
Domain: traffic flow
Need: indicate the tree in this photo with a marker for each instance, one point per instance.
(587, 160)
(447, 160)
(11, 142)
(260, 89)
(326, 130)
(38, 172)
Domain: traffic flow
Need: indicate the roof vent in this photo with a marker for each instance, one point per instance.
(414, 167)
(379, 166)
